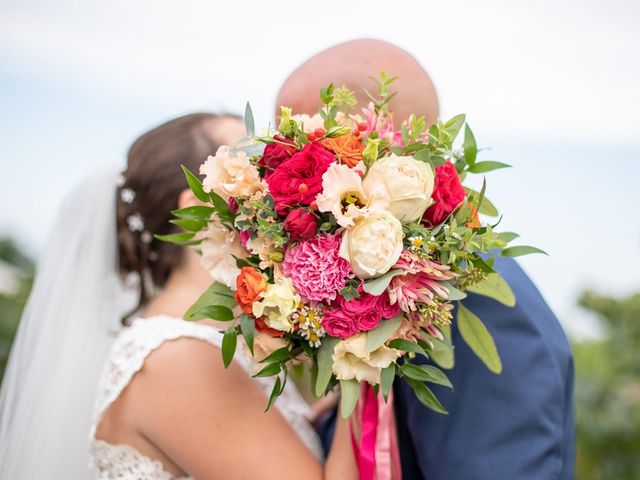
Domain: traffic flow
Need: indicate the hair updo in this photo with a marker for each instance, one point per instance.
(150, 190)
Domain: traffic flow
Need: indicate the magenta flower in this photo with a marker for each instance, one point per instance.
(317, 271)
(420, 283)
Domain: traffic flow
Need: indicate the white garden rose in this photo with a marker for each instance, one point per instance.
(218, 248)
(230, 174)
(277, 303)
(373, 245)
(409, 184)
(351, 360)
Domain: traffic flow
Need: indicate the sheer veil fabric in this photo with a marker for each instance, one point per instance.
(68, 326)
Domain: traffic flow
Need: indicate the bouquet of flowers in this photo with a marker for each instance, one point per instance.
(340, 242)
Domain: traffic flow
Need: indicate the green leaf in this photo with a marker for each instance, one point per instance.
(495, 287)
(216, 294)
(423, 155)
(380, 334)
(349, 391)
(427, 398)
(221, 207)
(215, 312)
(277, 356)
(487, 208)
(453, 292)
(469, 146)
(176, 238)
(275, 392)
(479, 339)
(249, 124)
(453, 126)
(195, 184)
(507, 236)
(190, 225)
(248, 328)
(426, 373)
(520, 250)
(442, 353)
(324, 362)
(377, 286)
(387, 376)
(229, 342)
(270, 370)
(407, 346)
(487, 166)
(195, 212)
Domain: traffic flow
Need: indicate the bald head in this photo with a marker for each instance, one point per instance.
(351, 64)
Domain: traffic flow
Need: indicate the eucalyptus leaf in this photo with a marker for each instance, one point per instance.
(229, 342)
(452, 292)
(216, 294)
(249, 124)
(495, 287)
(324, 362)
(377, 286)
(442, 350)
(487, 166)
(380, 334)
(195, 184)
(423, 155)
(349, 391)
(478, 338)
(520, 250)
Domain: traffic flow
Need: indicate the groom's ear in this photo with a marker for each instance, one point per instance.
(188, 199)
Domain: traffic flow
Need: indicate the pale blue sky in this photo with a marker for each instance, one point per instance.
(550, 86)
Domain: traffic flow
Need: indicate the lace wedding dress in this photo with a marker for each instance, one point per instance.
(127, 356)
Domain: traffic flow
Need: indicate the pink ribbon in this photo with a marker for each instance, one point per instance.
(374, 425)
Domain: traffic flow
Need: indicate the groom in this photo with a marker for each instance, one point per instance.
(515, 426)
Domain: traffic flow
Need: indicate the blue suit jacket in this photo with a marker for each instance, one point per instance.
(518, 425)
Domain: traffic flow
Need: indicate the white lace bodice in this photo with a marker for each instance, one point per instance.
(127, 356)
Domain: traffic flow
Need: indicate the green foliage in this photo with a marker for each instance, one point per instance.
(478, 338)
(12, 301)
(607, 392)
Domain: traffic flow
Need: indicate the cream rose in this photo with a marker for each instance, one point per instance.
(230, 174)
(408, 182)
(218, 248)
(277, 303)
(351, 360)
(373, 245)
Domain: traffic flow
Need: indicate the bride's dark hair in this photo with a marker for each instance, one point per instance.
(149, 191)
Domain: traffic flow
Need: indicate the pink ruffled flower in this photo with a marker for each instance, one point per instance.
(420, 283)
(383, 124)
(316, 269)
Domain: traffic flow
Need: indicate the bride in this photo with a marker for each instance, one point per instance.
(166, 407)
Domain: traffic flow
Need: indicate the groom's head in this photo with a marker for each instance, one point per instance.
(352, 64)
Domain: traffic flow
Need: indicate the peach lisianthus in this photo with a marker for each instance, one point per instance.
(218, 248)
(345, 196)
(230, 174)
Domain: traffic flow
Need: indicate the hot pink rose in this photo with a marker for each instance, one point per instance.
(298, 181)
(388, 310)
(301, 224)
(338, 323)
(368, 310)
(276, 153)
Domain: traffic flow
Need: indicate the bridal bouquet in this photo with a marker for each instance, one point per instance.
(340, 242)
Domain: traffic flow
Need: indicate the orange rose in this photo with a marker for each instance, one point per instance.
(250, 284)
(475, 221)
(348, 148)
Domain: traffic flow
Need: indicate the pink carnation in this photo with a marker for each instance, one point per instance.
(420, 283)
(315, 268)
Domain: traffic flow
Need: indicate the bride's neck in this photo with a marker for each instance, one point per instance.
(185, 284)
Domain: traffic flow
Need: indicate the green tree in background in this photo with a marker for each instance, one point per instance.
(608, 392)
(16, 278)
